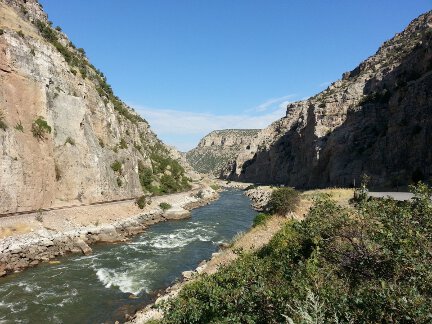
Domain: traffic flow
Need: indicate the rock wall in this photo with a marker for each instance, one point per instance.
(44, 78)
(217, 148)
(376, 120)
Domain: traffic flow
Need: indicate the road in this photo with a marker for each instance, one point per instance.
(395, 195)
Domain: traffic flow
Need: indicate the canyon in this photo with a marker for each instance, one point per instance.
(376, 120)
(65, 138)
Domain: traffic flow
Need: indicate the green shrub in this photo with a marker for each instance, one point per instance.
(1, 31)
(101, 142)
(58, 174)
(260, 219)
(145, 175)
(123, 145)
(20, 33)
(137, 146)
(19, 127)
(363, 264)
(116, 166)
(40, 128)
(2, 121)
(119, 182)
(70, 140)
(164, 206)
(283, 201)
(215, 186)
(141, 202)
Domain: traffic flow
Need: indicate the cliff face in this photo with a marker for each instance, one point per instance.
(65, 138)
(217, 148)
(376, 120)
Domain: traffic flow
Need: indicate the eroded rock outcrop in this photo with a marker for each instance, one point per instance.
(217, 148)
(65, 138)
(376, 120)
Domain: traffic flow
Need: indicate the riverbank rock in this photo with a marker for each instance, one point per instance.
(83, 246)
(176, 213)
(260, 196)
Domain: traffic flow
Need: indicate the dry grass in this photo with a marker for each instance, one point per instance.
(255, 238)
(14, 230)
(9, 19)
(340, 195)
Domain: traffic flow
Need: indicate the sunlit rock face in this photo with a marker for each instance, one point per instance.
(44, 78)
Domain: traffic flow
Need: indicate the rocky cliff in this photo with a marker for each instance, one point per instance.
(376, 120)
(217, 148)
(65, 138)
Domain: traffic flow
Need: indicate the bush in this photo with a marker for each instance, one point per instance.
(367, 264)
(2, 121)
(19, 127)
(58, 173)
(123, 144)
(20, 33)
(260, 219)
(119, 182)
(164, 206)
(70, 140)
(145, 175)
(40, 128)
(116, 166)
(215, 186)
(283, 201)
(141, 202)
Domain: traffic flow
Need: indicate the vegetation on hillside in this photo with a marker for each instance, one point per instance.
(165, 175)
(78, 63)
(40, 128)
(283, 201)
(212, 159)
(368, 263)
(3, 125)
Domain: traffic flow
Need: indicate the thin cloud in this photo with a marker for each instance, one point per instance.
(271, 102)
(183, 129)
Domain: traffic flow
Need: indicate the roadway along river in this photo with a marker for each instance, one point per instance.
(118, 278)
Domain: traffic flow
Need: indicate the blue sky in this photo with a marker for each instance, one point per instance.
(192, 66)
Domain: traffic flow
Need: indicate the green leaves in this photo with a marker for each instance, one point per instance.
(367, 264)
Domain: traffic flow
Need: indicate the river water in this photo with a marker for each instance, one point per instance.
(119, 278)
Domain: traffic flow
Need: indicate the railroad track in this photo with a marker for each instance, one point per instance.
(65, 207)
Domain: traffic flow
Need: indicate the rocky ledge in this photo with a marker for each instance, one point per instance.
(259, 196)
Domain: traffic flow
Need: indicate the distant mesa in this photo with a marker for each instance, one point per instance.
(219, 147)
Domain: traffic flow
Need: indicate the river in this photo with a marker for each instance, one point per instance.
(119, 278)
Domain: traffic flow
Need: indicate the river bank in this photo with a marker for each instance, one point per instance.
(252, 240)
(40, 237)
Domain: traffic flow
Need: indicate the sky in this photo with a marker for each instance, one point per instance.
(193, 66)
